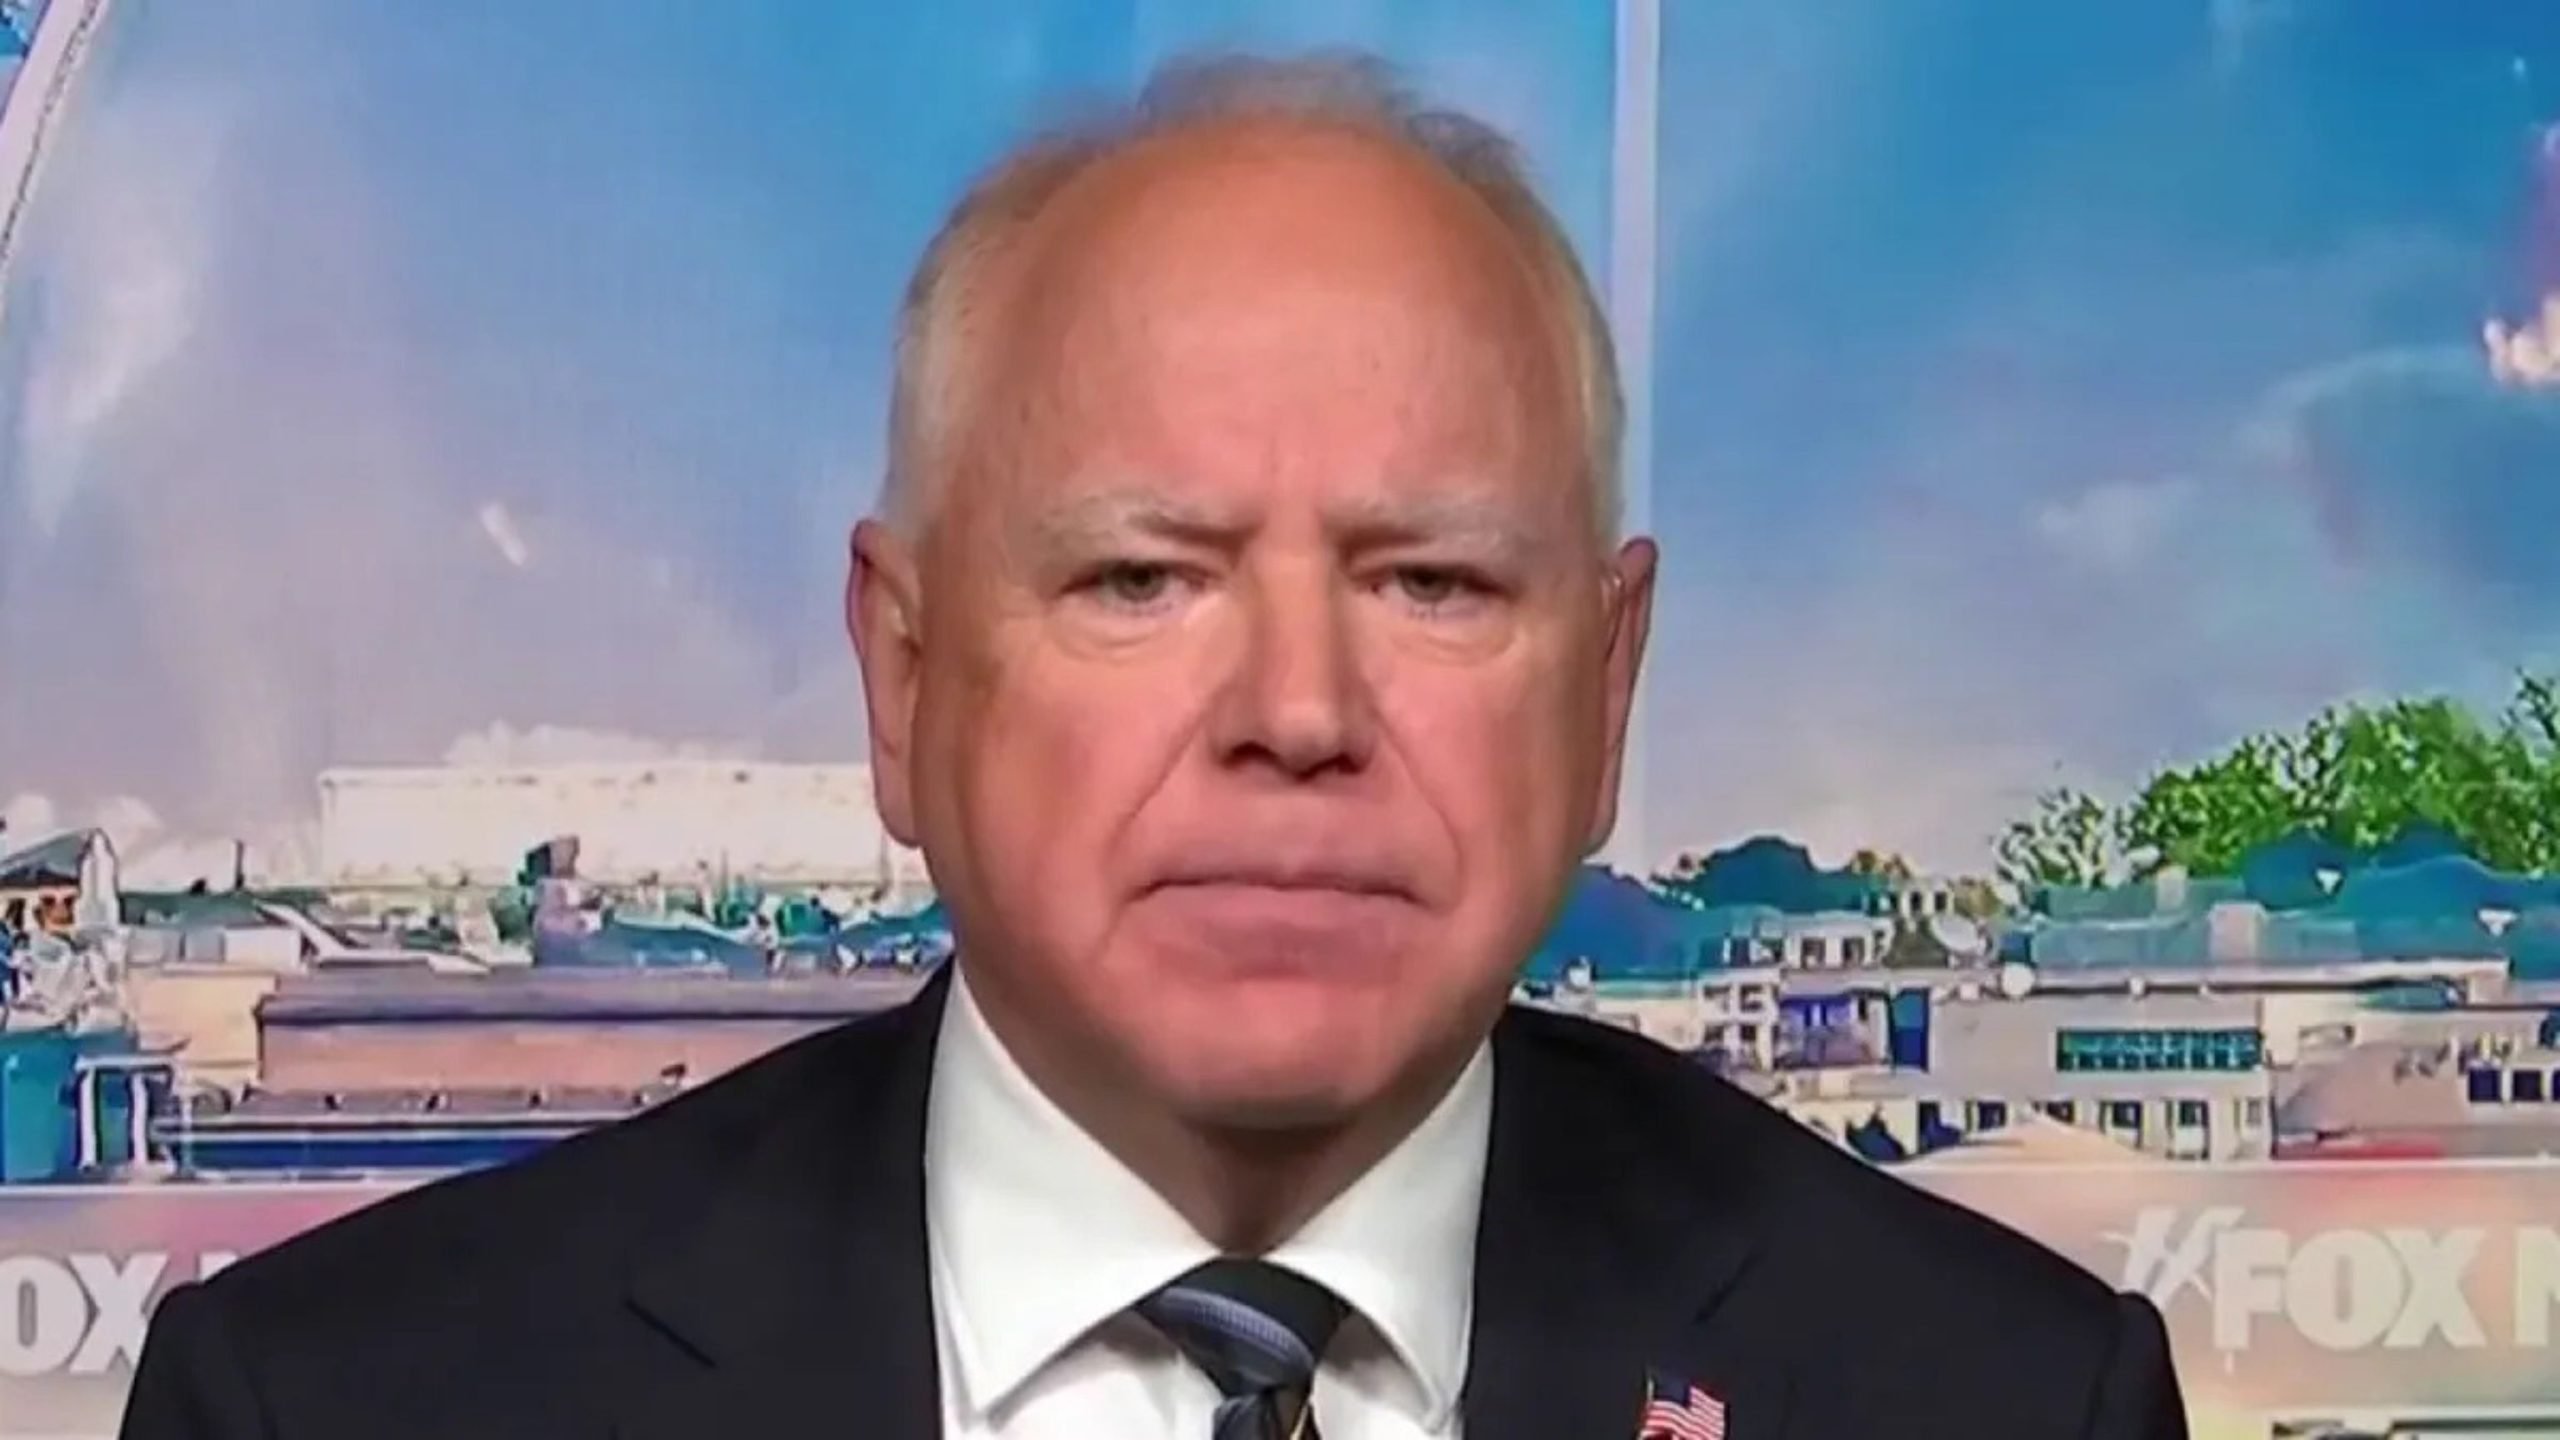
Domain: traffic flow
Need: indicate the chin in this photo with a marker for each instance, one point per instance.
(1292, 1050)
(1270, 1108)
(1262, 1077)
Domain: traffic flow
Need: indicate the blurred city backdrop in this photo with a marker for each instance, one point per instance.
(2101, 755)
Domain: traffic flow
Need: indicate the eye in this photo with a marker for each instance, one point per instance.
(1131, 584)
(1439, 587)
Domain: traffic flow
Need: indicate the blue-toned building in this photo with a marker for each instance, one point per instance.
(2186, 1017)
(2303, 902)
(404, 1071)
(78, 1105)
(1761, 903)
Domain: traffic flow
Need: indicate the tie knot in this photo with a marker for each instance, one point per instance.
(1251, 1326)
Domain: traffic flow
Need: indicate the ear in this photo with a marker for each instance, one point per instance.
(1628, 606)
(883, 612)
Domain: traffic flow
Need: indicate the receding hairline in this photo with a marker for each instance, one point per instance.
(960, 286)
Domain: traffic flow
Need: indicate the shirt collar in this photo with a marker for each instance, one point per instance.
(1014, 1188)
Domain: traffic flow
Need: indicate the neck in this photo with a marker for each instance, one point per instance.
(1248, 1189)
(1244, 1188)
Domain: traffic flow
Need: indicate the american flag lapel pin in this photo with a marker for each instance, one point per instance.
(1676, 1409)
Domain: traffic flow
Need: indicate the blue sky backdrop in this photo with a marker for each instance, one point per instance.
(2042, 392)
(2049, 391)
(386, 382)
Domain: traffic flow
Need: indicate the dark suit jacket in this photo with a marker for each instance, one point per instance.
(749, 1261)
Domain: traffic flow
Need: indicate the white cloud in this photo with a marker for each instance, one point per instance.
(27, 818)
(501, 744)
(503, 534)
(2116, 524)
(2366, 526)
(270, 532)
(2240, 26)
(126, 287)
(152, 857)
(1782, 81)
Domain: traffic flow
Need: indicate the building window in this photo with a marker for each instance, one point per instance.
(2190, 1114)
(2063, 1110)
(2090, 1051)
(1853, 950)
(2526, 1085)
(2124, 1115)
(2253, 1113)
(1990, 1114)
(1816, 951)
(2485, 1085)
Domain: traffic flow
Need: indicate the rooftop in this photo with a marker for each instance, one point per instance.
(581, 995)
(2302, 900)
(49, 863)
(351, 1108)
(2033, 1137)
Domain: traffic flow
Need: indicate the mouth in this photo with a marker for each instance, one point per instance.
(1283, 920)
(1280, 885)
(1278, 897)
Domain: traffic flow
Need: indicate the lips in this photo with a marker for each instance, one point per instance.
(1291, 926)
(1312, 878)
(1278, 900)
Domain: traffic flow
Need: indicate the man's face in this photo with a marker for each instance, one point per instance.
(1258, 684)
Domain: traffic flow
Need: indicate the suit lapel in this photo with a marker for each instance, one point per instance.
(797, 1301)
(1613, 1239)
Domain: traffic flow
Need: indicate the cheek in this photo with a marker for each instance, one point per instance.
(1494, 756)
(1046, 764)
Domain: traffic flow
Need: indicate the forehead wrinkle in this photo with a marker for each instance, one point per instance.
(1081, 522)
(1075, 317)
(1475, 519)
(1479, 522)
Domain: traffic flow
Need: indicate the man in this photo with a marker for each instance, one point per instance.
(1249, 652)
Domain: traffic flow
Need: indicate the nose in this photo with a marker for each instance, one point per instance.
(1298, 699)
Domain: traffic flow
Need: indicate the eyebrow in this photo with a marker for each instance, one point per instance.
(1475, 522)
(1466, 519)
(1090, 522)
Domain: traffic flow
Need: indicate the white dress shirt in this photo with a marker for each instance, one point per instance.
(1040, 1240)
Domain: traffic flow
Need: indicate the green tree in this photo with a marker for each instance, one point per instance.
(2357, 774)
(1915, 946)
(2363, 774)
(1977, 898)
(511, 910)
(2072, 839)
(2207, 816)
(1883, 865)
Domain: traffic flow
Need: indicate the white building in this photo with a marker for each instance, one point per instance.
(676, 820)
(2181, 1074)
(1734, 1011)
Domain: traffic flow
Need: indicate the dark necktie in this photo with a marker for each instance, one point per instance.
(1257, 1331)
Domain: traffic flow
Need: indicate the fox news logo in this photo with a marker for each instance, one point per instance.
(2342, 1289)
(82, 1314)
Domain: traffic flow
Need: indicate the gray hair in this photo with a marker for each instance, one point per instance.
(947, 300)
